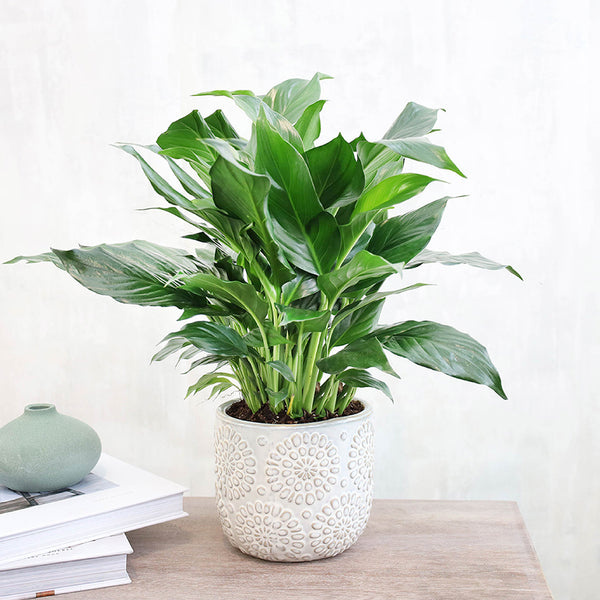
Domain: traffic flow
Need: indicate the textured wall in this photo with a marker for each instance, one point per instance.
(521, 91)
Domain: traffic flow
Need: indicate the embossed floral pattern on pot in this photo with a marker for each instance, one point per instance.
(294, 492)
(340, 524)
(269, 531)
(224, 513)
(361, 453)
(235, 462)
(303, 468)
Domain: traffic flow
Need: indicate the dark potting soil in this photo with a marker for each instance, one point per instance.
(240, 410)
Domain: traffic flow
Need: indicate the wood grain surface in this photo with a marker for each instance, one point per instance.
(411, 550)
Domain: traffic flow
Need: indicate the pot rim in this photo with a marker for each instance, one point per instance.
(363, 414)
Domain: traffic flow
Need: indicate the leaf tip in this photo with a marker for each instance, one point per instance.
(514, 272)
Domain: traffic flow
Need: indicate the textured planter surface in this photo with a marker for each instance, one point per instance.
(294, 492)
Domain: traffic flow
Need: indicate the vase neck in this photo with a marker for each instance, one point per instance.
(39, 410)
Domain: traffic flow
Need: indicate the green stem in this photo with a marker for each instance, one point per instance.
(296, 369)
(313, 372)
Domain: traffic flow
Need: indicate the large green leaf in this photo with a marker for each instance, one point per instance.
(307, 235)
(361, 354)
(253, 106)
(290, 98)
(473, 259)
(359, 378)
(405, 137)
(364, 266)
(392, 191)
(201, 195)
(135, 272)
(309, 124)
(357, 324)
(442, 348)
(422, 150)
(375, 297)
(377, 161)
(299, 287)
(401, 238)
(221, 127)
(161, 186)
(414, 121)
(356, 233)
(234, 292)
(229, 231)
(242, 194)
(312, 320)
(274, 338)
(213, 338)
(185, 137)
(333, 169)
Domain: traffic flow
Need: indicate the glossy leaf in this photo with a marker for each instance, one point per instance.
(359, 378)
(374, 158)
(309, 124)
(283, 369)
(362, 354)
(363, 266)
(442, 348)
(274, 337)
(312, 320)
(242, 194)
(422, 150)
(290, 98)
(473, 259)
(135, 272)
(210, 379)
(235, 292)
(392, 191)
(185, 137)
(299, 287)
(333, 169)
(353, 234)
(370, 298)
(357, 324)
(405, 137)
(160, 185)
(253, 106)
(221, 127)
(401, 238)
(414, 121)
(214, 338)
(202, 197)
(307, 236)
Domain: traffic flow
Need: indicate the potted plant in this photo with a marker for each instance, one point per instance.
(281, 297)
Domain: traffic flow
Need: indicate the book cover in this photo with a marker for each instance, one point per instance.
(114, 498)
(95, 564)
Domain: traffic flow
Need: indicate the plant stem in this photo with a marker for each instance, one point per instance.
(310, 368)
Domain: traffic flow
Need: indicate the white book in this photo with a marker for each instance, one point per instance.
(96, 564)
(114, 498)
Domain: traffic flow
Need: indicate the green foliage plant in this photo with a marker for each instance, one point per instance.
(293, 241)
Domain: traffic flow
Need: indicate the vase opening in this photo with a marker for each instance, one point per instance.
(38, 407)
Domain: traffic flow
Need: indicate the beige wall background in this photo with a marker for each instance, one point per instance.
(519, 81)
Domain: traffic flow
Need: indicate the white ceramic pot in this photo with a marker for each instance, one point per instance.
(294, 492)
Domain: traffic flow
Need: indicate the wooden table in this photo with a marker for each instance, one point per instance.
(411, 550)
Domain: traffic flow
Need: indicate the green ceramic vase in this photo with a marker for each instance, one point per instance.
(44, 451)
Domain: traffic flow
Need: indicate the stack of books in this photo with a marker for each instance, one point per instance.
(73, 539)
